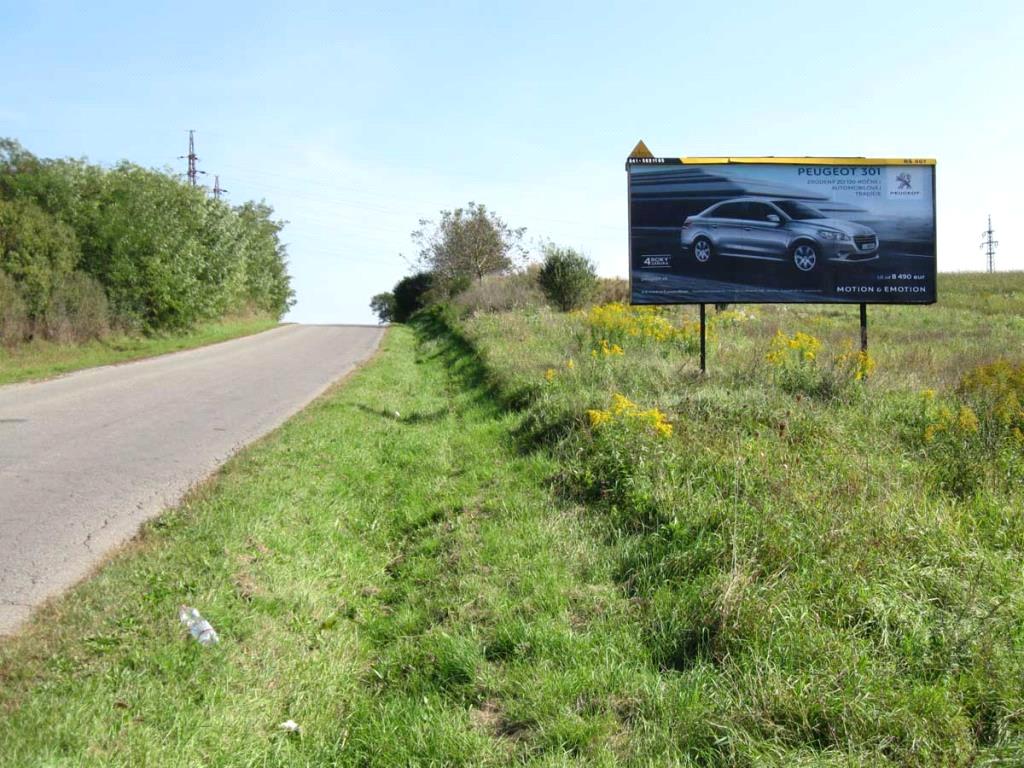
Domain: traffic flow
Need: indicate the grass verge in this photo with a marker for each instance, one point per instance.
(388, 570)
(41, 359)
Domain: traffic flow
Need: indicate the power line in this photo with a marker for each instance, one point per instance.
(405, 203)
(989, 245)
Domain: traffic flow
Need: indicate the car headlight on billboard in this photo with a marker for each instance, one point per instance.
(829, 234)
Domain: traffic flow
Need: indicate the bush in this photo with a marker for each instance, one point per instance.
(977, 433)
(799, 365)
(503, 293)
(567, 277)
(14, 323)
(410, 295)
(78, 311)
(951, 439)
(996, 391)
(616, 327)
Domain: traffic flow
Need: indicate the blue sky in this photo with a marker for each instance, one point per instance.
(356, 120)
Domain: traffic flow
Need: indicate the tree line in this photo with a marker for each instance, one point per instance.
(84, 247)
(465, 246)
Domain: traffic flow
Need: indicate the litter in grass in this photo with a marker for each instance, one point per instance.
(198, 627)
(290, 726)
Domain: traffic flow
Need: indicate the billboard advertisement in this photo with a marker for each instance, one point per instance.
(781, 230)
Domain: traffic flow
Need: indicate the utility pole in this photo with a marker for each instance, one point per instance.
(193, 159)
(989, 245)
(218, 190)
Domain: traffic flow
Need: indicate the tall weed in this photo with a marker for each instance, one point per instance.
(78, 311)
(502, 293)
(14, 322)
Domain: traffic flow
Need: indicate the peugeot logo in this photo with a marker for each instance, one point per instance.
(904, 181)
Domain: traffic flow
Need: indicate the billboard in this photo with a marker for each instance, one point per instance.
(781, 230)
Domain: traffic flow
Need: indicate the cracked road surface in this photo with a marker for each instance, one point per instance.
(86, 458)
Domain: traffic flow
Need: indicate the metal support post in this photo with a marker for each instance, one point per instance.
(864, 328)
(703, 342)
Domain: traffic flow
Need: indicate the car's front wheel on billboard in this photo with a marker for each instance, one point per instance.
(702, 249)
(805, 256)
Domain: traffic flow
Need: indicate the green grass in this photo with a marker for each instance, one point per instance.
(846, 589)
(443, 563)
(40, 359)
(389, 570)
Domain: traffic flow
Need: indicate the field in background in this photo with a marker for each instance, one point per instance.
(41, 359)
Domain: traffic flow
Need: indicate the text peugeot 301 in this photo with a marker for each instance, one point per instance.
(776, 230)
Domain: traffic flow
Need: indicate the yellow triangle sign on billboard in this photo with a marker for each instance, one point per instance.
(640, 150)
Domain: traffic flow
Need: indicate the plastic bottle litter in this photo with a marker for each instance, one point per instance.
(198, 627)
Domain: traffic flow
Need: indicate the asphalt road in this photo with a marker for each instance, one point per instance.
(86, 458)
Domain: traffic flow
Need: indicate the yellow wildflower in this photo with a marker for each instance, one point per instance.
(608, 349)
(865, 366)
(802, 344)
(659, 422)
(617, 320)
(622, 404)
(967, 420)
(624, 409)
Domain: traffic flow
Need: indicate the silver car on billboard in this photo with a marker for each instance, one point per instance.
(776, 230)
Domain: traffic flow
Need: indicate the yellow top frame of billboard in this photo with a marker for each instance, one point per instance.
(808, 160)
(641, 155)
(883, 161)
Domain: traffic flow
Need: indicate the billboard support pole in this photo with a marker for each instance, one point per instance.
(864, 328)
(703, 342)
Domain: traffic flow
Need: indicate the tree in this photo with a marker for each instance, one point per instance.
(467, 244)
(36, 250)
(268, 284)
(567, 277)
(165, 254)
(383, 304)
(16, 162)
